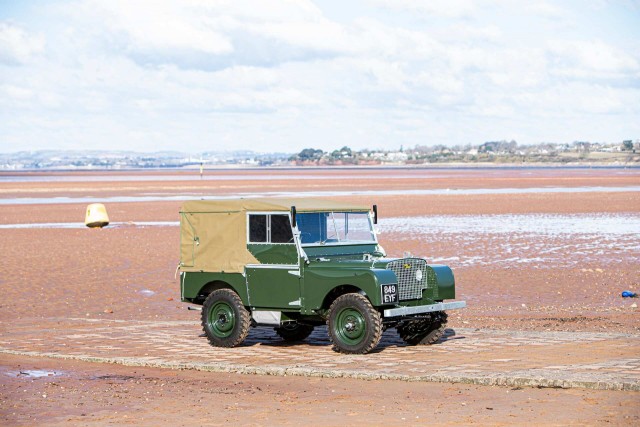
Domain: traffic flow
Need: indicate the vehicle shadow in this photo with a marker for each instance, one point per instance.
(320, 338)
(391, 339)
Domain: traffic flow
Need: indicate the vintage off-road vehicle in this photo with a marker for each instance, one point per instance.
(297, 264)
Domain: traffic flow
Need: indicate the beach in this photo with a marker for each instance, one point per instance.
(533, 250)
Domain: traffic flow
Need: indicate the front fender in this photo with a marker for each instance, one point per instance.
(319, 283)
(445, 282)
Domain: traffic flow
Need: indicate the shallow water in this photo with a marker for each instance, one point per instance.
(602, 224)
(33, 373)
(196, 177)
(81, 225)
(300, 173)
(502, 241)
(297, 194)
(507, 241)
(547, 224)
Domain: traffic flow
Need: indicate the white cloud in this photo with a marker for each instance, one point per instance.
(16, 92)
(18, 46)
(198, 75)
(316, 34)
(160, 25)
(578, 99)
(546, 10)
(587, 58)
(379, 40)
(464, 31)
(437, 8)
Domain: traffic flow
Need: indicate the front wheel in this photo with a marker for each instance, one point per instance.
(355, 327)
(225, 321)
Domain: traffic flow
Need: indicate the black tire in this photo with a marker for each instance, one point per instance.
(423, 331)
(355, 327)
(294, 331)
(225, 321)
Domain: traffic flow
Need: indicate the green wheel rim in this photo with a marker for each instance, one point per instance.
(350, 326)
(221, 320)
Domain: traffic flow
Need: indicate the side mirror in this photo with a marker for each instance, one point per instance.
(293, 217)
(375, 214)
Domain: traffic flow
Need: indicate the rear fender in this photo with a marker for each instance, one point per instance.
(195, 286)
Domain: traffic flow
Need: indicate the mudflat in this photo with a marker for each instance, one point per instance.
(533, 250)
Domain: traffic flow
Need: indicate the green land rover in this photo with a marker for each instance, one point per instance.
(301, 263)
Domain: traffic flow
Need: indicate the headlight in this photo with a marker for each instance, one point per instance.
(419, 275)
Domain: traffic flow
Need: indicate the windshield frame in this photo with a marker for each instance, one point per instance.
(332, 223)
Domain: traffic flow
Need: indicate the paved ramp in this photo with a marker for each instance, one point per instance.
(606, 361)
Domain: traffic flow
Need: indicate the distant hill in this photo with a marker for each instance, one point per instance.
(492, 152)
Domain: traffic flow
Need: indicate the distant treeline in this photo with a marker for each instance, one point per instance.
(488, 152)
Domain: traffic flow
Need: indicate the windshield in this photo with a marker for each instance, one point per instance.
(335, 227)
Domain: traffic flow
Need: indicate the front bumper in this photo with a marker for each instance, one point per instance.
(441, 306)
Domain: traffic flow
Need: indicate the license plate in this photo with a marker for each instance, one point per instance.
(389, 294)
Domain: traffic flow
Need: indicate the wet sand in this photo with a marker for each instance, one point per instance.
(233, 182)
(530, 279)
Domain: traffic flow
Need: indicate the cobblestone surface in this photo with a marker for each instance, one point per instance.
(513, 358)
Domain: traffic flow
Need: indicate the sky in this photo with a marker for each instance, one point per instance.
(267, 76)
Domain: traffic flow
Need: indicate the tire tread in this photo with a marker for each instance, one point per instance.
(360, 301)
(243, 319)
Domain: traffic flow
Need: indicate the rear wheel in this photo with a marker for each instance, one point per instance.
(225, 321)
(294, 331)
(355, 327)
(423, 331)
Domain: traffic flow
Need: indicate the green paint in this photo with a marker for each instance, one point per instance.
(221, 319)
(267, 253)
(273, 288)
(350, 326)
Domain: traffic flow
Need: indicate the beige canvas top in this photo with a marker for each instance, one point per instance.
(266, 205)
(213, 233)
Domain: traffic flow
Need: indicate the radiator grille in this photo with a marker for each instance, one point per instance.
(412, 277)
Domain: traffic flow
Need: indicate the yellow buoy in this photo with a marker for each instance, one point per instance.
(96, 216)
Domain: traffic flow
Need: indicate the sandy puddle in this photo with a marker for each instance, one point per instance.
(33, 373)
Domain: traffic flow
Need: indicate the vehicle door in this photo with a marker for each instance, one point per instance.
(275, 282)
